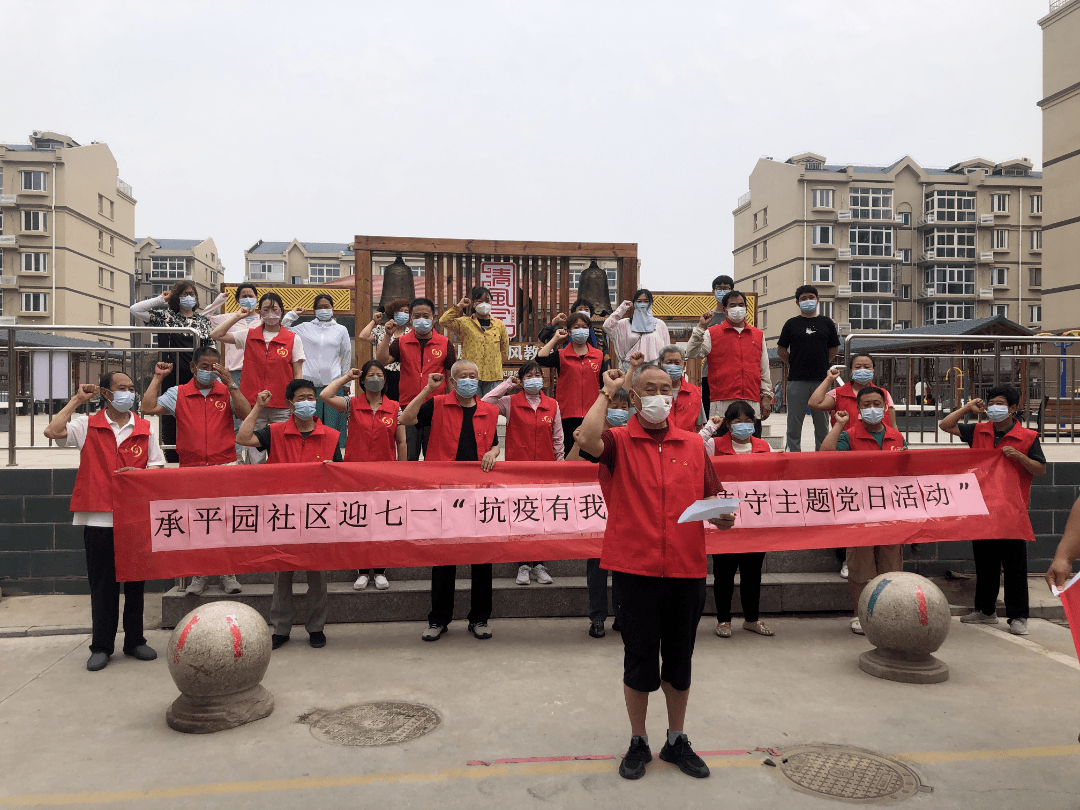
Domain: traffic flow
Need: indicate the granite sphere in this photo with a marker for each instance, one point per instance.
(904, 612)
(219, 648)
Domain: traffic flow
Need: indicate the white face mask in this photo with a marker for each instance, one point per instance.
(872, 416)
(997, 413)
(736, 314)
(655, 409)
(482, 309)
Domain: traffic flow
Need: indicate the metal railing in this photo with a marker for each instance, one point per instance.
(80, 364)
(1056, 4)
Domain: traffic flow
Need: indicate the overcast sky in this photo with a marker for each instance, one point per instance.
(572, 121)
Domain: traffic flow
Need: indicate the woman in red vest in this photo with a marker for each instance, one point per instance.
(581, 367)
(533, 433)
(843, 398)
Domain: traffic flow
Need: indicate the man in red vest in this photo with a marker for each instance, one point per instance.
(110, 440)
(300, 438)
(204, 407)
(650, 471)
(1021, 446)
(421, 352)
(463, 428)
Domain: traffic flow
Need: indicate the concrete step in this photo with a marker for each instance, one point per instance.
(410, 599)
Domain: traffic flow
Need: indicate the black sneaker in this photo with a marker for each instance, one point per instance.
(596, 629)
(633, 764)
(317, 639)
(276, 641)
(683, 755)
(616, 626)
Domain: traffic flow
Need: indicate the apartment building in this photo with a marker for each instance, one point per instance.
(67, 245)
(1061, 164)
(160, 263)
(892, 247)
(298, 262)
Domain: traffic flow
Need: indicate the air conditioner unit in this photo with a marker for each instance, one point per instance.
(7, 240)
(985, 293)
(843, 215)
(899, 219)
(986, 257)
(930, 219)
(986, 219)
(845, 328)
(843, 253)
(928, 256)
(895, 327)
(843, 292)
(929, 292)
(8, 320)
(37, 133)
(7, 199)
(9, 281)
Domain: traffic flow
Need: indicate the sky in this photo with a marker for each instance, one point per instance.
(582, 121)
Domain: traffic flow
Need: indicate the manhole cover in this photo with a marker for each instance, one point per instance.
(847, 774)
(380, 723)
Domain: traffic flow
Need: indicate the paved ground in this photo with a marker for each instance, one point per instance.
(1001, 733)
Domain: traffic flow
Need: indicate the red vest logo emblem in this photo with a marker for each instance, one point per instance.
(136, 451)
(548, 419)
(282, 351)
(593, 365)
(436, 352)
(386, 420)
(219, 405)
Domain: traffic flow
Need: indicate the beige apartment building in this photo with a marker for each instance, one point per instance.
(160, 263)
(298, 262)
(892, 247)
(1061, 164)
(67, 246)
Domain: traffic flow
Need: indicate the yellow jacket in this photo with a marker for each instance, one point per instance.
(487, 348)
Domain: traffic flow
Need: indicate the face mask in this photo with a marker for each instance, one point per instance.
(188, 301)
(250, 303)
(872, 416)
(742, 430)
(467, 387)
(642, 307)
(675, 372)
(655, 409)
(205, 377)
(422, 325)
(271, 318)
(580, 335)
(808, 306)
(736, 313)
(483, 309)
(617, 416)
(401, 318)
(374, 384)
(533, 384)
(324, 314)
(862, 375)
(998, 413)
(304, 410)
(123, 401)
(586, 313)
(719, 295)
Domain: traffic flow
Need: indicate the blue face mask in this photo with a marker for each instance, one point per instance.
(401, 318)
(997, 413)
(862, 376)
(304, 410)
(808, 306)
(466, 387)
(580, 335)
(719, 295)
(188, 301)
(123, 401)
(617, 416)
(324, 314)
(250, 303)
(205, 377)
(422, 325)
(872, 416)
(675, 372)
(533, 384)
(742, 430)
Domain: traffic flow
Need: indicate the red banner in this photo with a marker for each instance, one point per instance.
(242, 519)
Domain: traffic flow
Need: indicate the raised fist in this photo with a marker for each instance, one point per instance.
(163, 369)
(561, 334)
(354, 374)
(842, 418)
(560, 319)
(705, 320)
(636, 359)
(263, 398)
(434, 381)
(87, 392)
(378, 319)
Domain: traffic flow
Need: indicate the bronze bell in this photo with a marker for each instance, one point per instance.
(397, 283)
(593, 287)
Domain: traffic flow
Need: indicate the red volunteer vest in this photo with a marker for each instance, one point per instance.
(735, 363)
(289, 446)
(267, 366)
(847, 400)
(1017, 436)
(205, 436)
(100, 458)
(724, 447)
(859, 438)
(416, 365)
(579, 381)
(645, 495)
(446, 428)
(687, 407)
(372, 435)
(530, 435)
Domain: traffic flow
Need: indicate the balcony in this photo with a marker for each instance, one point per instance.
(124, 188)
(7, 199)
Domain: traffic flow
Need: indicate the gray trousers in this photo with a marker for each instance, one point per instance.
(798, 394)
(596, 580)
(281, 606)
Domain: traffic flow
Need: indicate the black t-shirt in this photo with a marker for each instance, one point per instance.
(466, 446)
(967, 435)
(264, 441)
(808, 341)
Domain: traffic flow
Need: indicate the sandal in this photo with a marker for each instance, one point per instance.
(723, 629)
(760, 628)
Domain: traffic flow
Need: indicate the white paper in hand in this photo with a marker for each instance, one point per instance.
(1059, 591)
(709, 509)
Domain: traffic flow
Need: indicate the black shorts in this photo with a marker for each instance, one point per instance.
(659, 618)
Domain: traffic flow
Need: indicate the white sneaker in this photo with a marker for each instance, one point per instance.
(196, 586)
(978, 617)
(1018, 627)
(843, 571)
(229, 584)
(542, 575)
(856, 627)
(361, 582)
(523, 575)
(381, 582)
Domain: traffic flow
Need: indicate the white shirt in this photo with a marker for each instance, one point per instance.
(328, 348)
(76, 437)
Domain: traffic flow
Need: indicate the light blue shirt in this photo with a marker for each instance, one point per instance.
(168, 399)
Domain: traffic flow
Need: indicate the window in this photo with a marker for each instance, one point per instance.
(104, 313)
(821, 273)
(905, 292)
(905, 255)
(755, 285)
(174, 267)
(756, 260)
(106, 278)
(823, 234)
(867, 315)
(761, 218)
(105, 206)
(764, 249)
(951, 243)
(35, 181)
(1036, 240)
(112, 245)
(35, 302)
(949, 311)
(905, 219)
(764, 285)
(951, 206)
(266, 271)
(101, 240)
(1000, 309)
(867, 240)
(871, 203)
(952, 279)
(999, 203)
(35, 221)
(764, 315)
(999, 276)
(1001, 239)
(1035, 203)
(1035, 313)
(871, 278)
(34, 263)
(825, 308)
(1034, 276)
(898, 325)
(821, 198)
(319, 273)
(296, 280)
